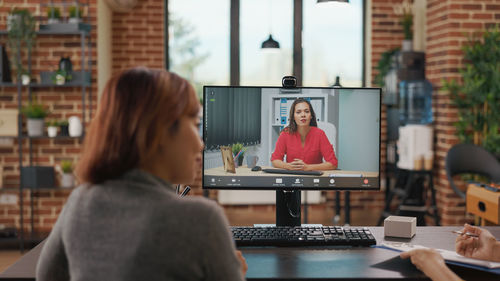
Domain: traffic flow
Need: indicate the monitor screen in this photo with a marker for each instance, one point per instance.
(332, 142)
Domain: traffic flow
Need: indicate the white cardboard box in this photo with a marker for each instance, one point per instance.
(398, 226)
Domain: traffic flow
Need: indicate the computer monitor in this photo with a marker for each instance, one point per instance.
(346, 123)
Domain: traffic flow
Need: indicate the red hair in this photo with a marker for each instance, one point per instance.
(138, 109)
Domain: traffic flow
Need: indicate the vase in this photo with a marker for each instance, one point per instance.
(35, 127)
(75, 126)
(64, 130)
(67, 180)
(407, 45)
(240, 160)
(52, 131)
(25, 79)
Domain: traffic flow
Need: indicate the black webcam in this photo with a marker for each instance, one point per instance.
(289, 82)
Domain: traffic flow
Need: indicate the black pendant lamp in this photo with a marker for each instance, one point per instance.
(270, 43)
(325, 1)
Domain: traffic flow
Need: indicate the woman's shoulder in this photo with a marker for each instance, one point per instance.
(317, 131)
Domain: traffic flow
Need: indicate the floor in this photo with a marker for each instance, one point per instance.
(243, 217)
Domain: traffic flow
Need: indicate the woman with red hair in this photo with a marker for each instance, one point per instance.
(126, 222)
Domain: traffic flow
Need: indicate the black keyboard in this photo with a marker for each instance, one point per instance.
(302, 236)
(293, 172)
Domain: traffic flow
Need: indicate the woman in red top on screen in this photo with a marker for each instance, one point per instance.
(303, 143)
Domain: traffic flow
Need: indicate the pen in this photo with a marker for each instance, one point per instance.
(467, 233)
(185, 191)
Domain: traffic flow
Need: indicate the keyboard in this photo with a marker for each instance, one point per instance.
(302, 236)
(293, 172)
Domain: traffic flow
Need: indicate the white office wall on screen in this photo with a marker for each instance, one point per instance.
(358, 130)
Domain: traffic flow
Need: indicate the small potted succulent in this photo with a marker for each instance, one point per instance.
(52, 128)
(53, 15)
(59, 77)
(75, 14)
(35, 113)
(67, 179)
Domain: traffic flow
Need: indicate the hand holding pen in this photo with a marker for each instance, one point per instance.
(477, 243)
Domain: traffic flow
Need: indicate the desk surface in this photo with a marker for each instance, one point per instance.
(320, 263)
(245, 171)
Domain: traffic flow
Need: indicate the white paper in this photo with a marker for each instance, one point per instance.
(447, 255)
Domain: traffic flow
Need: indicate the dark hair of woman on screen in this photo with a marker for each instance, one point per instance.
(125, 221)
(303, 143)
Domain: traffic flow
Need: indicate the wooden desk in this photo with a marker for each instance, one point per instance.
(319, 262)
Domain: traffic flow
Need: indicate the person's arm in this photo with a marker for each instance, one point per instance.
(221, 259)
(483, 247)
(431, 263)
(298, 164)
(279, 154)
(280, 164)
(52, 263)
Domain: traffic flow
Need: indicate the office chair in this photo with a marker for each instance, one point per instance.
(470, 159)
(331, 133)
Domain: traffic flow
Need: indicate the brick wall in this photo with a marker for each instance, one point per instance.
(448, 25)
(63, 102)
(137, 40)
(138, 36)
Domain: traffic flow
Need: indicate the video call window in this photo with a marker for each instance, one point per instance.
(343, 131)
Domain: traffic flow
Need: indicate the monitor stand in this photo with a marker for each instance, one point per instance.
(288, 207)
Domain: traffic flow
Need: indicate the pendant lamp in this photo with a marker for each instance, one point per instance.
(270, 43)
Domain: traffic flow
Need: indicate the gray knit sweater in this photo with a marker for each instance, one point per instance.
(137, 228)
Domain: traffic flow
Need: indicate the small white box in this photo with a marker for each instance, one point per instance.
(397, 226)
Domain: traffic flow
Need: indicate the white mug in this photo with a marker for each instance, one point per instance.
(75, 126)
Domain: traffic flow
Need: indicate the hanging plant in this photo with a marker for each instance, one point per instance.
(477, 96)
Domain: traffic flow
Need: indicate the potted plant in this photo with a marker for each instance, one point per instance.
(238, 153)
(59, 77)
(21, 33)
(35, 113)
(75, 14)
(405, 11)
(63, 125)
(477, 97)
(67, 179)
(53, 15)
(52, 128)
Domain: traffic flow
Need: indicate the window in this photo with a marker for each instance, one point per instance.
(199, 41)
(258, 19)
(332, 43)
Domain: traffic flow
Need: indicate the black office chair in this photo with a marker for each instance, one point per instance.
(471, 159)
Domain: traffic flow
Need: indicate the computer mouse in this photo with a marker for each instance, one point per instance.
(256, 168)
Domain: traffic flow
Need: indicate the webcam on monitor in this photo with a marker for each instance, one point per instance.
(289, 82)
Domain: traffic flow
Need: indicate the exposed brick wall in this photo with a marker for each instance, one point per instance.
(138, 40)
(449, 23)
(138, 36)
(62, 102)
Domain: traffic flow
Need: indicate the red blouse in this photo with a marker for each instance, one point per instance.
(316, 148)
